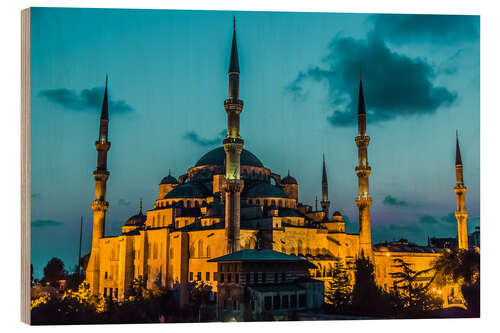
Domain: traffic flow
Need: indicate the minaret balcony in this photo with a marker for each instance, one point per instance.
(99, 205)
(362, 141)
(233, 101)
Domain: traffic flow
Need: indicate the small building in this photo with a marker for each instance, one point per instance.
(262, 282)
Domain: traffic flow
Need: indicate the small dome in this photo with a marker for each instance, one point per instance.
(263, 190)
(187, 190)
(337, 213)
(169, 179)
(288, 180)
(136, 220)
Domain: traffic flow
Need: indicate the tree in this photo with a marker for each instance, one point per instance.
(365, 292)
(338, 292)
(54, 272)
(462, 267)
(413, 288)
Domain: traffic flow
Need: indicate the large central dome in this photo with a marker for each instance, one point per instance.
(218, 156)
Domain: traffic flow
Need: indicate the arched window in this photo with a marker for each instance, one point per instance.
(273, 203)
(188, 203)
(200, 248)
(196, 203)
(292, 250)
(208, 252)
(258, 202)
(300, 249)
(191, 252)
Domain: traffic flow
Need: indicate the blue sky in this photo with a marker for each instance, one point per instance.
(299, 74)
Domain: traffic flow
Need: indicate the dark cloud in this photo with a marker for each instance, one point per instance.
(123, 202)
(450, 218)
(411, 231)
(443, 29)
(395, 85)
(86, 99)
(427, 219)
(45, 223)
(392, 201)
(195, 138)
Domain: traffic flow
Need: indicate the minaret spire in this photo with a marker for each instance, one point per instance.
(325, 203)
(461, 213)
(363, 200)
(233, 146)
(99, 205)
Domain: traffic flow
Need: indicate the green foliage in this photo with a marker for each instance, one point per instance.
(413, 288)
(462, 267)
(366, 295)
(53, 272)
(338, 292)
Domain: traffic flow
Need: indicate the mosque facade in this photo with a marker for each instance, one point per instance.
(230, 201)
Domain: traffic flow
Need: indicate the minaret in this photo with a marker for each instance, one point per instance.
(461, 213)
(233, 145)
(325, 203)
(363, 201)
(99, 205)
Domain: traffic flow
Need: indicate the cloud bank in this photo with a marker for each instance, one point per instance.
(442, 29)
(396, 85)
(392, 201)
(86, 99)
(45, 223)
(203, 142)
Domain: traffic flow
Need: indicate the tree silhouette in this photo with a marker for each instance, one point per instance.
(338, 292)
(413, 288)
(54, 272)
(462, 267)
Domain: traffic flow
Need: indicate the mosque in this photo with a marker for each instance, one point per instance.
(230, 201)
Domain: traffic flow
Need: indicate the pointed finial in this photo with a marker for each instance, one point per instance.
(169, 172)
(288, 172)
(458, 157)
(234, 23)
(140, 206)
(104, 112)
(360, 75)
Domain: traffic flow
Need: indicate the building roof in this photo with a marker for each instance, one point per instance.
(263, 190)
(169, 179)
(217, 156)
(136, 220)
(289, 212)
(187, 190)
(404, 246)
(258, 256)
(289, 179)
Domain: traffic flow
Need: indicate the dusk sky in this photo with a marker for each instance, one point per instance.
(299, 81)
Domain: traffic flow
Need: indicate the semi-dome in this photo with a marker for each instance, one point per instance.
(264, 190)
(137, 220)
(288, 180)
(169, 179)
(217, 156)
(187, 190)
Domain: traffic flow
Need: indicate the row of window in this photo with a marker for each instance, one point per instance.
(283, 302)
(198, 276)
(253, 277)
(110, 292)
